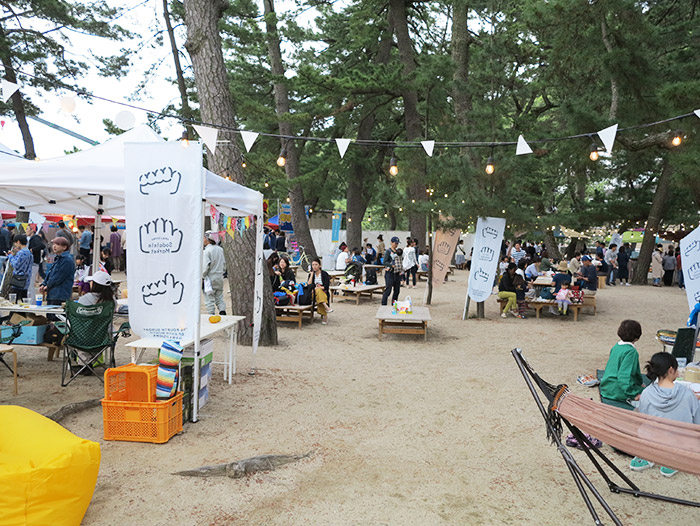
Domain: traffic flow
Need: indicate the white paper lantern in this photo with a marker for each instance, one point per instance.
(68, 104)
(125, 120)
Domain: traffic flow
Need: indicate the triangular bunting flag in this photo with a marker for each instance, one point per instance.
(342, 146)
(208, 135)
(608, 137)
(697, 113)
(222, 233)
(249, 139)
(247, 221)
(230, 233)
(8, 89)
(523, 147)
(428, 146)
(214, 214)
(114, 221)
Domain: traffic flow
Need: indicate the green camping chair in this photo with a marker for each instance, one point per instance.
(91, 339)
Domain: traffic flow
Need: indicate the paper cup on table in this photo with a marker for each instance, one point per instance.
(13, 298)
(39, 300)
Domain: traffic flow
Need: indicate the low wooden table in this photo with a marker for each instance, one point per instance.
(294, 313)
(358, 291)
(378, 268)
(414, 323)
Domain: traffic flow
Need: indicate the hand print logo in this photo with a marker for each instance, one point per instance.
(163, 293)
(443, 248)
(694, 271)
(160, 237)
(439, 265)
(481, 275)
(165, 181)
(489, 232)
(486, 254)
(693, 246)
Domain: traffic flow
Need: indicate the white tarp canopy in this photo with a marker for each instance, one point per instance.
(71, 184)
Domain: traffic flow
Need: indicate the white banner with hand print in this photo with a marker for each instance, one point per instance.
(690, 260)
(164, 212)
(487, 248)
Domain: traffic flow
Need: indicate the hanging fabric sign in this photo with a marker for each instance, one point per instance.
(443, 250)
(690, 260)
(164, 207)
(487, 247)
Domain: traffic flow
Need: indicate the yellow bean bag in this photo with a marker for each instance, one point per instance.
(47, 474)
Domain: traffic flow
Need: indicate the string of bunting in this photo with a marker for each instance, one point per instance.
(230, 225)
(209, 131)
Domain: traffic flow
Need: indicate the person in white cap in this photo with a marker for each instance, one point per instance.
(100, 289)
(213, 275)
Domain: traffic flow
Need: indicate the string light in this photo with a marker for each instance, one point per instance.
(393, 167)
(289, 200)
(282, 159)
(490, 165)
(185, 140)
(267, 185)
(243, 163)
(677, 139)
(594, 155)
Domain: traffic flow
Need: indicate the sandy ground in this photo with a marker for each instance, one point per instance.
(402, 431)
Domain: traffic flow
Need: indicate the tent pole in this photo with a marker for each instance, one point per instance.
(198, 323)
(96, 237)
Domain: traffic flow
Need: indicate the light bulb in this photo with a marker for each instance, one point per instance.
(243, 163)
(490, 166)
(393, 168)
(677, 140)
(282, 159)
(267, 185)
(594, 155)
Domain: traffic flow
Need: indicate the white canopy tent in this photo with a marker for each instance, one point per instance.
(92, 182)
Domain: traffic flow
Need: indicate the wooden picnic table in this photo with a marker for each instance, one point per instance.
(294, 313)
(414, 323)
(358, 291)
(378, 268)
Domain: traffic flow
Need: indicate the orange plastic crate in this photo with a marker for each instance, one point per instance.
(133, 383)
(154, 422)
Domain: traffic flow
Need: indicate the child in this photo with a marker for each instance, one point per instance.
(520, 290)
(666, 399)
(622, 381)
(564, 298)
(81, 271)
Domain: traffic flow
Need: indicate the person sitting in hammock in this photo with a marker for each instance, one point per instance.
(666, 399)
(622, 383)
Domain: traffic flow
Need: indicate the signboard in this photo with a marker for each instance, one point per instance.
(335, 226)
(286, 217)
(487, 247)
(443, 249)
(690, 260)
(164, 206)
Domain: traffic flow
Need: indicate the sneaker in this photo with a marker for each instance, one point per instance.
(329, 310)
(639, 464)
(588, 380)
(515, 314)
(668, 472)
(627, 284)
(503, 315)
(324, 323)
(222, 313)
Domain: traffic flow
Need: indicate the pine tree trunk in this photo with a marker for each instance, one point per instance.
(415, 167)
(17, 102)
(216, 107)
(551, 245)
(358, 193)
(186, 110)
(296, 192)
(658, 206)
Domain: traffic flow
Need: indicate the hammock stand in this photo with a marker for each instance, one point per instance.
(554, 430)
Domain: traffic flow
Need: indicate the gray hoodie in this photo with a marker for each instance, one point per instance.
(678, 403)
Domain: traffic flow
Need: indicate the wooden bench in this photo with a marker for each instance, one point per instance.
(539, 305)
(414, 323)
(294, 313)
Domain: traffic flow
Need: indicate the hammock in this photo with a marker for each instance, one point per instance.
(670, 443)
(666, 442)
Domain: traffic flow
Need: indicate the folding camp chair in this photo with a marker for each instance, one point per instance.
(6, 347)
(553, 422)
(91, 339)
(686, 341)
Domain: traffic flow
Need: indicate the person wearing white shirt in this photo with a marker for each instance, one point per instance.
(341, 262)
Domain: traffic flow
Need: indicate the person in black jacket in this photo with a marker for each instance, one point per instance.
(36, 246)
(507, 291)
(322, 282)
(282, 273)
(281, 243)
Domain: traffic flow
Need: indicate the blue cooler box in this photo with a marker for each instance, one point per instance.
(31, 334)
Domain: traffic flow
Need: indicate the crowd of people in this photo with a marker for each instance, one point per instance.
(53, 268)
(521, 264)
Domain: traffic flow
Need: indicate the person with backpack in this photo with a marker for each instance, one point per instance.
(393, 269)
(320, 280)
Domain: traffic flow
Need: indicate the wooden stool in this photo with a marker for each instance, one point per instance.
(8, 348)
(601, 282)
